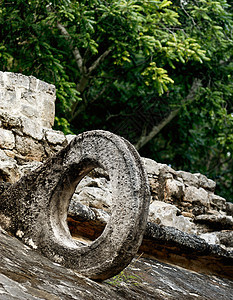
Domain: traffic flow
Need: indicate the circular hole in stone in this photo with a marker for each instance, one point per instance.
(90, 207)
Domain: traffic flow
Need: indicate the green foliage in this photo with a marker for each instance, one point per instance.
(125, 66)
(124, 278)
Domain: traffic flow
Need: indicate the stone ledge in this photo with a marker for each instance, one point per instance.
(166, 244)
(25, 274)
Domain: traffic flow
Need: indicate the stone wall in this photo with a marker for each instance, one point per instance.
(179, 199)
(27, 110)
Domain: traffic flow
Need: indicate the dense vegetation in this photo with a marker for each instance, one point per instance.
(156, 72)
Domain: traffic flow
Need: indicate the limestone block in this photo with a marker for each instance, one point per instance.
(33, 83)
(188, 178)
(101, 215)
(216, 221)
(174, 188)
(80, 212)
(17, 79)
(29, 111)
(94, 192)
(218, 202)
(95, 197)
(17, 90)
(152, 167)
(47, 111)
(7, 139)
(9, 100)
(197, 195)
(32, 128)
(4, 156)
(31, 149)
(168, 215)
(9, 171)
(205, 183)
(2, 83)
(210, 238)
(8, 120)
(28, 167)
(55, 137)
(46, 87)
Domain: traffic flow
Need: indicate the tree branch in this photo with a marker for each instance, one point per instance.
(145, 138)
(75, 50)
(98, 61)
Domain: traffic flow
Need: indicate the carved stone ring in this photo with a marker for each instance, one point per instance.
(35, 208)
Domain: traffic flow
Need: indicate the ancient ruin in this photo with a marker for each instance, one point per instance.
(64, 198)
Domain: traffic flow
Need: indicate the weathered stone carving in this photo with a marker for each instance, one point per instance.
(35, 207)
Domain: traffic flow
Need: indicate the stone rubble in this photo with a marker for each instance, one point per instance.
(180, 199)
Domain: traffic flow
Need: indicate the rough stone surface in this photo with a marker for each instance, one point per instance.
(29, 97)
(7, 139)
(219, 221)
(169, 215)
(29, 148)
(36, 207)
(198, 253)
(27, 114)
(176, 247)
(55, 137)
(25, 274)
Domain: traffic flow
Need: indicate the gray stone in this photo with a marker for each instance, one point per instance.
(152, 167)
(9, 171)
(27, 96)
(94, 197)
(187, 250)
(205, 183)
(7, 139)
(216, 221)
(32, 128)
(33, 83)
(210, 238)
(8, 100)
(229, 208)
(101, 216)
(196, 195)
(9, 121)
(28, 167)
(174, 188)
(218, 202)
(29, 111)
(3, 186)
(17, 79)
(55, 137)
(25, 274)
(70, 137)
(4, 157)
(188, 178)
(226, 238)
(169, 215)
(28, 147)
(37, 205)
(46, 87)
(47, 111)
(80, 212)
